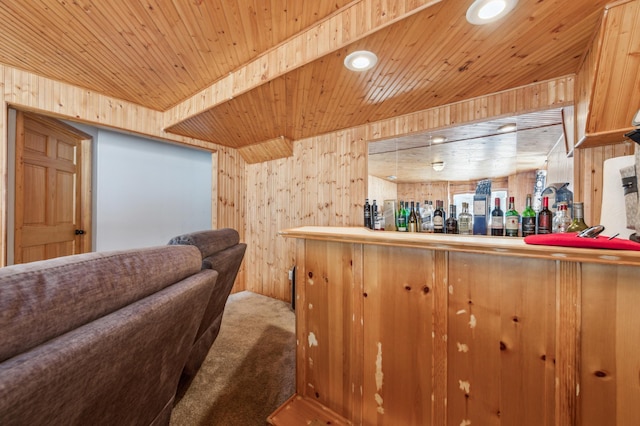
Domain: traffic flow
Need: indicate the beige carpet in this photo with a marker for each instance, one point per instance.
(250, 370)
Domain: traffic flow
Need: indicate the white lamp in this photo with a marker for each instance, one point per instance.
(438, 166)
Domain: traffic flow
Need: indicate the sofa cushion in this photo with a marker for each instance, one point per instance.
(42, 300)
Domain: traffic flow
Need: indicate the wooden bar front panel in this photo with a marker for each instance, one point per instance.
(331, 335)
(501, 340)
(390, 334)
(398, 315)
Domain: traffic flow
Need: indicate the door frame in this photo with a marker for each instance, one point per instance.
(7, 182)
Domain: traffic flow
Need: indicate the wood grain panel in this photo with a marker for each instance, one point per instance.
(609, 106)
(272, 149)
(163, 51)
(398, 312)
(500, 340)
(609, 390)
(588, 168)
(329, 324)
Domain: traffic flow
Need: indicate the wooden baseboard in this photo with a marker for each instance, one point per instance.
(299, 410)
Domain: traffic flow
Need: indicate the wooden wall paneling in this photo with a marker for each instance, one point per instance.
(424, 191)
(231, 202)
(560, 166)
(214, 190)
(519, 185)
(398, 312)
(381, 189)
(329, 326)
(588, 169)
(500, 354)
(4, 177)
(609, 389)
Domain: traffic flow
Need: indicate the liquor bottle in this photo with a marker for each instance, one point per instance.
(402, 219)
(452, 222)
(497, 220)
(465, 220)
(413, 219)
(367, 214)
(512, 220)
(439, 218)
(378, 217)
(578, 219)
(418, 217)
(528, 219)
(374, 214)
(427, 218)
(544, 217)
(561, 221)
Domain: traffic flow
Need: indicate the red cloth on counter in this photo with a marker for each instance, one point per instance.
(572, 240)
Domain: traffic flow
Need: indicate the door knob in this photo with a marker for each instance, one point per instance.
(80, 232)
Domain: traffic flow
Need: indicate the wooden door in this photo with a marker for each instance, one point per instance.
(49, 217)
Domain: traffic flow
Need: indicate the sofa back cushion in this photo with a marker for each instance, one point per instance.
(42, 300)
(209, 241)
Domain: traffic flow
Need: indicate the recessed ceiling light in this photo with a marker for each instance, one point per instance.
(486, 11)
(392, 177)
(509, 127)
(361, 60)
(438, 139)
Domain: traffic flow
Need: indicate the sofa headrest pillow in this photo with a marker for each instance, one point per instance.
(209, 241)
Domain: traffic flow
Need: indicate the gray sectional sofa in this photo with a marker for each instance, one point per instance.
(103, 338)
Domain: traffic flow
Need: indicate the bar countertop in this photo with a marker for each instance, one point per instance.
(507, 246)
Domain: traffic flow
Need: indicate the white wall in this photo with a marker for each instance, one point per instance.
(147, 192)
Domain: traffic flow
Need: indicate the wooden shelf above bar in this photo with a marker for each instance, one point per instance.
(506, 246)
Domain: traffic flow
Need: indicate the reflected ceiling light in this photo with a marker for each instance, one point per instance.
(361, 60)
(509, 127)
(486, 11)
(438, 166)
(438, 139)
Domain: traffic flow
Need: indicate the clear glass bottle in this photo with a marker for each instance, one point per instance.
(439, 218)
(465, 221)
(427, 217)
(544, 217)
(452, 222)
(412, 222)
(511, 220)
(577, 224)
(528, 219)
(367, 213)
(497, 219)
(561, 221)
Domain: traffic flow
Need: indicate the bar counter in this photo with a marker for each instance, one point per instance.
(429, 329)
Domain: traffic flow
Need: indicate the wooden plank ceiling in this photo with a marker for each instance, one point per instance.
(163, 53)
